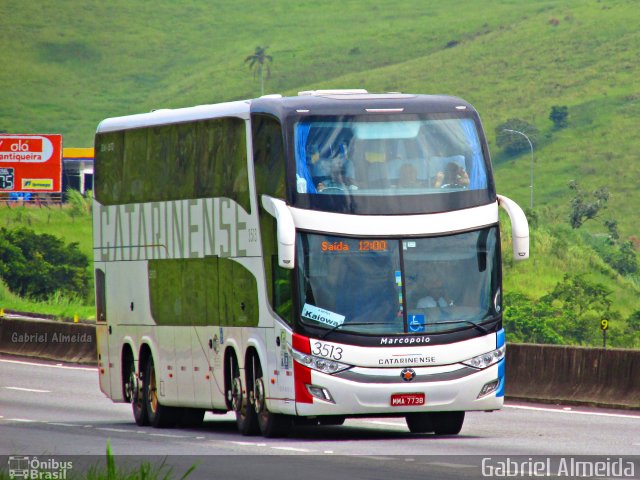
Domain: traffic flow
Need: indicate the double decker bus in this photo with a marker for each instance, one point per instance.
(301, 259)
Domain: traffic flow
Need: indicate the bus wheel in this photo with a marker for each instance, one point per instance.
(419, 422)
(133, 391)
(246, 419)
(271, 424)
(159, 416)
(447, 423)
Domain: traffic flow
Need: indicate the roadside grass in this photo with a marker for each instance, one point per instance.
(57, 221)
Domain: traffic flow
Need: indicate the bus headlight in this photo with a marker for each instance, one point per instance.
(320, 364)
(486, 359)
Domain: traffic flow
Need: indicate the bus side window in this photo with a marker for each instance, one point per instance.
(282, 300)
(101, 304)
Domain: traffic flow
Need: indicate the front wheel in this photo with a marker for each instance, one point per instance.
(419, 422)
(271, 424)
(447, 423)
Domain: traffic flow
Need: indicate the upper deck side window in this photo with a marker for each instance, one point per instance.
(190, 160)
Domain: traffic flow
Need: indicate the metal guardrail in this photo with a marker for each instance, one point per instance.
(15, 199)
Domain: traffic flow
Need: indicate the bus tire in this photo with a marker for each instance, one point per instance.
(272, 425)
(419, 423)
(246, 418)
(159, 416)
(447, 423)
(134, 393)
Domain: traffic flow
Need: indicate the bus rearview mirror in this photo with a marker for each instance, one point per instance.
(286, 230)
(519, 227)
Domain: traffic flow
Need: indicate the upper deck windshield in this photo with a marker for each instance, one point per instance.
(389, 164)
(395, 286)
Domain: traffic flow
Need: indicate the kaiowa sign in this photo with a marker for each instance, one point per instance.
(30, 163)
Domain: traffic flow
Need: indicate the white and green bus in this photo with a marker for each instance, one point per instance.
(301, 259)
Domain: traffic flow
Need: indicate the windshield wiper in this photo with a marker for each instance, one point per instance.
(333, 329)
(479, 327)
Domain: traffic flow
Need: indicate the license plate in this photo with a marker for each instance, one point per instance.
(407, 399)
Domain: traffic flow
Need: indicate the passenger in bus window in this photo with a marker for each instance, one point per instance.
(427, 291)
(340, 175)
(454, 176)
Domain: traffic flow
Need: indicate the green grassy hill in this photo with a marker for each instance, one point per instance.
(67, 65)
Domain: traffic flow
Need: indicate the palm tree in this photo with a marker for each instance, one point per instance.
(258, 62)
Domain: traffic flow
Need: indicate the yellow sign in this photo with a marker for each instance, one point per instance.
(37, 184)
(77, 153)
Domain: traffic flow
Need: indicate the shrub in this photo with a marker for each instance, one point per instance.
(37, 266)
(559, 116)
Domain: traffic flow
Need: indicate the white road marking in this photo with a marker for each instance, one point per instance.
(379, 458)
(23, 420)
(388, 424)
(33, 364)
(166, 435)
(450, 465)
(250, 444)
(293, 449)
(119, 430)
(58, 424)
(573, 412)
(34, 390)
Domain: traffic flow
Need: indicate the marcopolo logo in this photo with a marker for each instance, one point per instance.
(35, 468)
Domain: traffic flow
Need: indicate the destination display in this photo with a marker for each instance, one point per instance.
(354, 245)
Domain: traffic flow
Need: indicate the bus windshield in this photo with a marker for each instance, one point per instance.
(385, 156)
(395, 286)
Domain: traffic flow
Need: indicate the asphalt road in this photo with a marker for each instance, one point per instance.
(57, 411)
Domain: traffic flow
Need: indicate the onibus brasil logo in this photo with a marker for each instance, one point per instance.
(38, 469)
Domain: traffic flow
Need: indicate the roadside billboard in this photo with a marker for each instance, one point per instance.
(30, 163)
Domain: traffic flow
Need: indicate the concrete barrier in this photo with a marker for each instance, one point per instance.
(578, 375)
(48, 339)
(539, 373)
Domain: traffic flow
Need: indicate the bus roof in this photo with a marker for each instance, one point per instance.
(319, 102)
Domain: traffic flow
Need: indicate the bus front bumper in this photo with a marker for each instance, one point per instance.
(398, 391)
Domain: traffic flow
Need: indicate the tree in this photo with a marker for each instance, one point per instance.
(37, 266)
(586, 206)
(514, 143)
(583, 304)
(559, 115)
(531, 321)
(258, 62)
